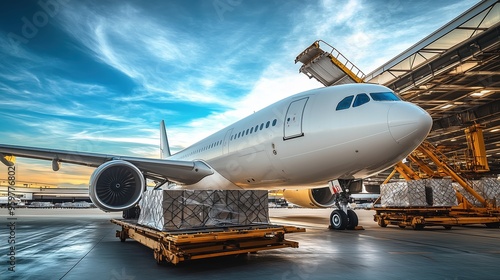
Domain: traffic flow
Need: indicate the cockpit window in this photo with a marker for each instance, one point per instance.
(345, 103)
(384, 96)
(360, 100)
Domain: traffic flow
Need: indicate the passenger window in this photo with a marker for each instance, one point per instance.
(268, 123)
(274, 122)
(261, 126)
(360, 100)
(248, 130)
(251, 130)
(345, 103)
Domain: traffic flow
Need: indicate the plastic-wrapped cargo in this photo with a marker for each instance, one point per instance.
(403, 194)
(489, 188)
(417, 193)
(440, 192)
(187, 209)
(251, 204)
(466, 194)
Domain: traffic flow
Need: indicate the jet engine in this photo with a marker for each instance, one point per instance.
(311, 198)
(116, 185)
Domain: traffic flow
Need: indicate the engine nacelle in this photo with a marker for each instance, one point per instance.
(116, 185)
(311, 198)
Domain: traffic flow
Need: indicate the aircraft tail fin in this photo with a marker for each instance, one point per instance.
(164, 147)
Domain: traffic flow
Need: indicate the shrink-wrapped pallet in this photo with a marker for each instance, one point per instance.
(466, 194)
(417, 193)
(440, 192)
(224, 208)
(403, 194)
(252, 203)
(161, 210)
(488, 188)
(187, 209)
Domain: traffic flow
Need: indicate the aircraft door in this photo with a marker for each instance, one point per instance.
(293, 119)
(225, 145)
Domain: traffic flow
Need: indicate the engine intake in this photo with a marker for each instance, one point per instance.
(116, 185)
(311, 198)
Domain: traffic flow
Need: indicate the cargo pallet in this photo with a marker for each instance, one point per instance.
(183, 245)
(418, 218)
(485, 211)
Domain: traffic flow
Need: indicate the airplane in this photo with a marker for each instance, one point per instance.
(316, 145)
(5, 200)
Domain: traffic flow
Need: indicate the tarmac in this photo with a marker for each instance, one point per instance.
(81, 244)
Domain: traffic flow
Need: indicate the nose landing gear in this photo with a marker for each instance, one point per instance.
(342, 217)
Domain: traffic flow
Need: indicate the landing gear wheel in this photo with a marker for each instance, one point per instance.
(447, 227)
(338, 220)
(402, 226)
(352, 219)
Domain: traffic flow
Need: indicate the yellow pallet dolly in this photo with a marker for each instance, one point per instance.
(178, 246)
(418, 218)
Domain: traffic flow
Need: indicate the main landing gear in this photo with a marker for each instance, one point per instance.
(342, 217)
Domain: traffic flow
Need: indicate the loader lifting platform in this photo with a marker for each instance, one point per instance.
(183, 245)
(472, 207)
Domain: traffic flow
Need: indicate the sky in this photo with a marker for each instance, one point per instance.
(99, 76)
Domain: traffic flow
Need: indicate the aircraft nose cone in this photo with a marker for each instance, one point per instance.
(408, 123)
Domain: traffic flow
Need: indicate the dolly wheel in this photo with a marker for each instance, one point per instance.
(493, 225)
(158, 257)
(123, 236)
(418, 226)
(381, 222)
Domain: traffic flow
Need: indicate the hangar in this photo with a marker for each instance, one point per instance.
(454, 74)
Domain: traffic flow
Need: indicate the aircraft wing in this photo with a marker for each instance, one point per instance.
(182, 172)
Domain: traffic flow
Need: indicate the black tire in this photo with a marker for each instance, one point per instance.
(132, 213)
(381, 222)
(402, 226)
(338, 220)
(123, 236)
(493, 225)
(418, 226)
(137, 212)
(352, 220)
(126, 214)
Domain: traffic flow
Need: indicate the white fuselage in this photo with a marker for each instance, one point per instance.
(304, 141)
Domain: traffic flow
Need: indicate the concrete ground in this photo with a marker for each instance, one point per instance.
(81, 244)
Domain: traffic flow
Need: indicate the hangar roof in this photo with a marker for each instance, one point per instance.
(454, 74)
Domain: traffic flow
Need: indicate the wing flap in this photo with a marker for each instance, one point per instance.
(181, 172)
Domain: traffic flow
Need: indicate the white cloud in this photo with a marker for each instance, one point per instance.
(238, 70)
(276, 83)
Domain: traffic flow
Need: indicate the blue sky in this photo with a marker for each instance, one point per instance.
(98, 76)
